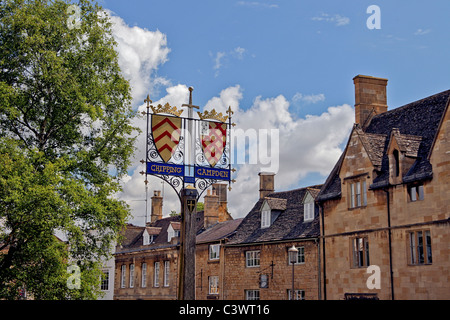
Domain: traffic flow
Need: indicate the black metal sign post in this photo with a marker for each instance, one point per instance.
(186, 281)
(188, 154)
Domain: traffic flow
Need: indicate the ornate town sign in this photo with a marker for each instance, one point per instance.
(187, 150)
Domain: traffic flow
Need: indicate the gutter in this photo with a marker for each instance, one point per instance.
(390, 241)
(271, 242)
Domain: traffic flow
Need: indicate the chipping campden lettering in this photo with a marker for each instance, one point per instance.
(212, 173)
(165, 168)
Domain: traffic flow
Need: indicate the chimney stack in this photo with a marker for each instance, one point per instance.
(157, 202)
(211, 209)
(215, 201)
(370, 98)
(266, 183)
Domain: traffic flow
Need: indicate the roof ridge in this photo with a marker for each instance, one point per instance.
(412, 103)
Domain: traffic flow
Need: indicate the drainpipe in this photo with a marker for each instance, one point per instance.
(319, 283)
(390, 241)
(323, 248)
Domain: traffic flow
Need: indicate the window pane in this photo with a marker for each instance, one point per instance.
(124, 270)
(166, 273)
(367, 252)
(420, 247)
(105, 280)
(156, 276)
(352, 195)
(144, 275)
(413, 194)
(428, 242)
(412, 245)
(420, 192)
(358, 194)
(131, 275)
(301, 255)
(364, 192)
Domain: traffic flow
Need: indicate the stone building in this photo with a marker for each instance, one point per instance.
(256, 264)
(210, 262)
(386, 203)
(146, 262)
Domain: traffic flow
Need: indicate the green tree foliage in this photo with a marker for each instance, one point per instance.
(66, 138)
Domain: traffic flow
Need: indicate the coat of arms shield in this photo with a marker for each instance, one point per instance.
(213, 136)
(166, 134)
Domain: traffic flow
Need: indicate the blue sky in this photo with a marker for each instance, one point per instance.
(285, 50)
(285, 65)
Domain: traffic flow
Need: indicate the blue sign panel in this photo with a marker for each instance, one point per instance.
(165, 168)
(189, 179)
(212, 173)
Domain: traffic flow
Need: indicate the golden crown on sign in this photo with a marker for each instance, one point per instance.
(212, 115)
(166, 109)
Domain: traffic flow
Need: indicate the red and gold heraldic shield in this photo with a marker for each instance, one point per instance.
(214, 139)
(166, 135)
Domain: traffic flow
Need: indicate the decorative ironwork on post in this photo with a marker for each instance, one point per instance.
(185, 150)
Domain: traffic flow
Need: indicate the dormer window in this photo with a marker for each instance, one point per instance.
(308, 207)
(265, 218)
(270, 210)
(266, 215)
(308, 211)
(146, 238)
(172, 233)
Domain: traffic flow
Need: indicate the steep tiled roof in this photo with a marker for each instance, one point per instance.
(276, 203)
(219, 231)
(133, 235)
(414, 125)
(288, 225)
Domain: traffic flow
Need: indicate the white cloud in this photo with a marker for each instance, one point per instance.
(239, 52)
(306, 145)
(218, 62)
(337, 19)
(308, 99)
(141, 52)
(221, 56)
(421, 32)
(255, 4)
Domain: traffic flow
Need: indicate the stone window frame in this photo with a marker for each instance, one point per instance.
(252, 294)
(299, 294)
(166, 273)
(413, 248)
(416, 192)
(355, 199)
(213, 285)
(251, 259)
(354, 255)
(132, 271)
(144, 275)
(123, 275)
(156, 274)
(214, 254)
